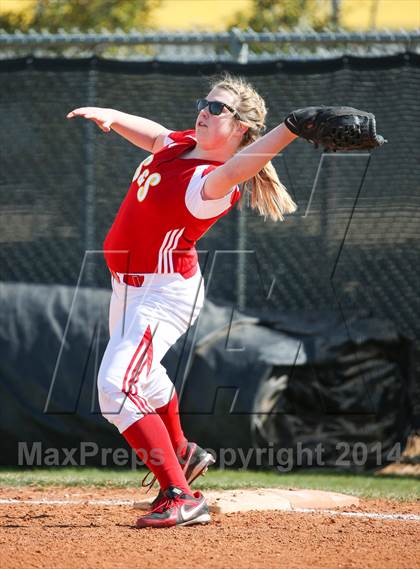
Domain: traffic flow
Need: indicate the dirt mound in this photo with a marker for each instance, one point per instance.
(95, 528)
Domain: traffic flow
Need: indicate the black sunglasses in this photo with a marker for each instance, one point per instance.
(216, 107)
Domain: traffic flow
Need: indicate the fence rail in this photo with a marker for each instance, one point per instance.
(236, 43)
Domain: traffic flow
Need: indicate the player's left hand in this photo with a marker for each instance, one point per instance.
(335, 128)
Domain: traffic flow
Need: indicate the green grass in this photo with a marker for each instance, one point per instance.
(363, 485)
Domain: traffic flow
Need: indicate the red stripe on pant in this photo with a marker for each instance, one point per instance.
(129, 386)
(140, 403)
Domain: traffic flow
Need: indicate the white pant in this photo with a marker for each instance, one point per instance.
(144, 323)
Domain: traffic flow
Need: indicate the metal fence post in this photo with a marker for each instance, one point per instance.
(238, 46)
(90, 178)
(241, 244)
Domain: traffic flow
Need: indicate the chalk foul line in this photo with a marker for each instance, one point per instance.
(130, 503)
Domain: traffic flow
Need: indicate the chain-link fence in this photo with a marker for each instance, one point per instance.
(242, 46)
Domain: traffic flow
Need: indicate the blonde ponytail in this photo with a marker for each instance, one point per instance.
(268, 195)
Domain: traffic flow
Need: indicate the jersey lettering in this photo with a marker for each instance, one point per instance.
(145, 162)
(152, 180)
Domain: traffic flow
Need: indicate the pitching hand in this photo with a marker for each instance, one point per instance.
(102, 117)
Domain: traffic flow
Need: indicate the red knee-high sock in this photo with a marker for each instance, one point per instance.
(150, 440)
(170, 416)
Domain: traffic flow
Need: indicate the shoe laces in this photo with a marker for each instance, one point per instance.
(166, 503)
(146, 484)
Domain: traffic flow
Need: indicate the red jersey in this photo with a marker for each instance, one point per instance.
(163, 214)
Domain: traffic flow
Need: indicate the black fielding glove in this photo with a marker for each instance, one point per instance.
(335, 128)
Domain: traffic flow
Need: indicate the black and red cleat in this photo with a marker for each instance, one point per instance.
(175, 508)
(195, 462)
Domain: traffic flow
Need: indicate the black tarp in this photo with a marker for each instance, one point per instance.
(340, 380)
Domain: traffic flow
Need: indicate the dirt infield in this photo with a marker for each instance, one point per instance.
(74, 533)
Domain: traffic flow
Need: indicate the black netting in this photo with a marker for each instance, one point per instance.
(348, 247)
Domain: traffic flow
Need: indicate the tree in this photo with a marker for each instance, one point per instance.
(274, 14)
(85, 15)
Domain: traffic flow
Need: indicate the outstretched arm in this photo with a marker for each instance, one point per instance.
(246, 163)
(141, 132)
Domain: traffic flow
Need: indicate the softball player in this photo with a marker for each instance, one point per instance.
(188, 182)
